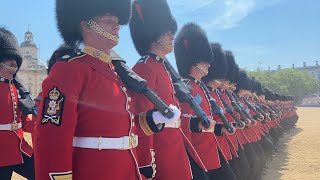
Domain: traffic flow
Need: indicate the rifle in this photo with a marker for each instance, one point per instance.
(26, 103)
(216, 109)
(252, 108)
(244, 110)
(139, 85)
(230, 110)
(235, 106)
(184, 94)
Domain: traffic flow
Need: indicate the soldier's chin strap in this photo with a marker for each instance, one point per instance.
(99, 30)
(9, 67)
(165, 45)
(204, 70)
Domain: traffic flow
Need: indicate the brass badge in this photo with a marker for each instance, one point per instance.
(53, 107)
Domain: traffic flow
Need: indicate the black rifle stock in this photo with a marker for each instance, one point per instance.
(139, 85)
(230, 110)
(252, 108)
(184, 94)
(26, 103)
(235, 106)
(217, 110)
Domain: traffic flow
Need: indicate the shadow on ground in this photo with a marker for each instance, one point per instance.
(280, 157)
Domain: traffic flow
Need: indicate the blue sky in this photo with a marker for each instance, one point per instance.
(274, 32)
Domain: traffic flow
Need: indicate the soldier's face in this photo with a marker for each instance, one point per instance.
(109, 23)
(167, 41)
(8, 67)
(204, 67)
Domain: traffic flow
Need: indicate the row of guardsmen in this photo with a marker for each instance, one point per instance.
(100, 120)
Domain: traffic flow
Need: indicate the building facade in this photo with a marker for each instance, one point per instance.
(32, 71)
(313, 71)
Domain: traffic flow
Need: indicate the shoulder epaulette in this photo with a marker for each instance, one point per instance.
(144, 59)
(70, 57)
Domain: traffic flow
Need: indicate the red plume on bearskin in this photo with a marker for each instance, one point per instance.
(191, 46)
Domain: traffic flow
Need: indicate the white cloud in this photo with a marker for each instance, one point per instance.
(234, 12)
(217, 14)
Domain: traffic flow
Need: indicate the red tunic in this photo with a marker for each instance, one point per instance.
(223, 140)
(205, 143)
(12, 143)
(170, 154)
(91, 104)
(250, 131)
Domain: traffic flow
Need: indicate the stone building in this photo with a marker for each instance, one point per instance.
(32, 71)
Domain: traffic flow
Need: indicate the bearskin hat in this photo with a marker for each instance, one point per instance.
(269, 94)
(59, 53)
(243, 81)
(219, 65)
(150, 20)
(191, 46)
(9, 47)
(233, 68)
(70, 13)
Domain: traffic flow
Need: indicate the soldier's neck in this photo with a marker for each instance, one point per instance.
(6, 75)
(212, 84)
(98, 47)
(158, 52)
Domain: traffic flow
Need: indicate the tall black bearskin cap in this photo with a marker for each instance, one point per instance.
(219, 65)
(243, 81)
(259, 89)
(234, 78)
(233, 69)
(191, 46)
(59, 53)
(150, 20)
(70, 13)
(269, 94)
(9, 47)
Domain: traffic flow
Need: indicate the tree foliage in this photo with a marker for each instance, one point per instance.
(288, 82)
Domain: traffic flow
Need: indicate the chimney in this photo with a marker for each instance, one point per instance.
(269, 69)
(292, 66)
(279, 67)
(304, 64)
(317, 63)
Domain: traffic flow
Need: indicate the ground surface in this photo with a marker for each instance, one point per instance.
(298, 155)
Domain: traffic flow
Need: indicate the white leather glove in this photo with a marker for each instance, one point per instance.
(159, 118)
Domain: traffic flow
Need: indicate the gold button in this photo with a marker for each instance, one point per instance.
(124, 89)
(129, 99)
(132, 117)
(133, 124)
(128, 107)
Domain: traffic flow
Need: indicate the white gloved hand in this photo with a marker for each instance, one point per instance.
(159, 118)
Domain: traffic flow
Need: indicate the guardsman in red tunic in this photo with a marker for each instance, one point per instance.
(217, 72)
(241, 161)
(16, 154)
(152, 26)
(217, 82)
(251, 149)
(57, 54)
(193, 56)
(86, 128)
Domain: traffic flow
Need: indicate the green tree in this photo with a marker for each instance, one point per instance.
(288, 81)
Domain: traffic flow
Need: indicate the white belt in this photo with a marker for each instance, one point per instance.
(10, 127)
(208, 131)
(121, 143)
(173, 125)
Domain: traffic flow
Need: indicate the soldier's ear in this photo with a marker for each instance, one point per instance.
(84, 26)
